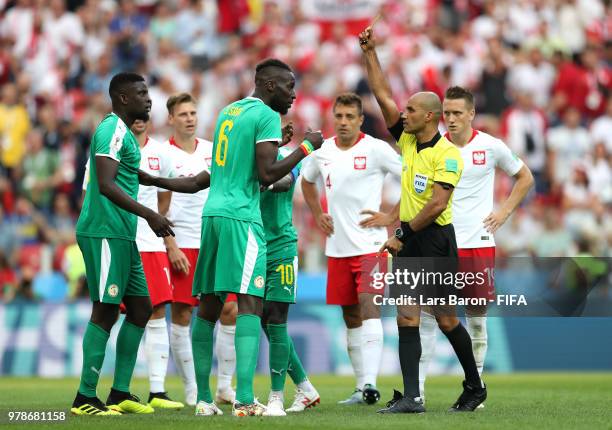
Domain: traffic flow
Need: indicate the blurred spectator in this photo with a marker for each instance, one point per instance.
(554, 240)
(493, 83)
(24, 293)
(14, 126)
(567, 144)
(128, 32)
(524, 128)
(8, 279)
(197, 36)
(600, 128)
(534, 75)
(62, 221)
(8, 236)
(600, 173)
(40, 172)
(582, 206)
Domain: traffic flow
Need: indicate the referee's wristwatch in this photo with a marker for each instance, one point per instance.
(399, 234)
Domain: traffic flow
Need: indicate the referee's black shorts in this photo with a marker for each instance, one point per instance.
(433, 241)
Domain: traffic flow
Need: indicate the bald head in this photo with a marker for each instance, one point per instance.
(429, 102)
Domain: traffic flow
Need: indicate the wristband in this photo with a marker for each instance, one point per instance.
(407, 232)
(306, 147)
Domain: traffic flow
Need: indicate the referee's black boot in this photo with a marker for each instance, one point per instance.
(403, 405)
(469, 400)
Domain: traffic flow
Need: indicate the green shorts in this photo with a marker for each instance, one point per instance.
(113, 269)
(281, 280)
(232, 258)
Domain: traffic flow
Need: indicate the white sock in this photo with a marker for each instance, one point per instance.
(372, 336)
(157, 349)
(427, 330)
(477, 328)
(353, 345)
(180, 345)
(226, 356)
(306, 386)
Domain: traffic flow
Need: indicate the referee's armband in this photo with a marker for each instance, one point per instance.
(445, 185)
(397, 129)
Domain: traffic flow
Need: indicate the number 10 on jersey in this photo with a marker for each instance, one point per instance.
(222, 142)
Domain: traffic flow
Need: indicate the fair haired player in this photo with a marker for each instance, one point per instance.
(191, 155)
(353, 167)
(474, 217)
(156, 161)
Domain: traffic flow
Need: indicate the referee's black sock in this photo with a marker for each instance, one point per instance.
(409, 355)
(460, 339)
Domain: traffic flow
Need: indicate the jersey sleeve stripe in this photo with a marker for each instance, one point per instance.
(272, 139)
(107, 156)
(118, 136)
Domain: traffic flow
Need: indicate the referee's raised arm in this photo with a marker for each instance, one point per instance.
(376, 79)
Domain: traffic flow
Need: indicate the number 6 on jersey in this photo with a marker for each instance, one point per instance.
(222, 142)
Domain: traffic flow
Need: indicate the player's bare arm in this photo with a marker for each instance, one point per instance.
(271, 170)
(283, 185)
(107, 171)
(376, 78)
(177, 258)
(524, 182)
(287, 134)
(311, 195)
(188, 184)
(163, 202)
(380, 219)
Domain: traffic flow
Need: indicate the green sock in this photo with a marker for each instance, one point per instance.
(94, 348)
(247, 350)
(295, 369)
(279, 354)
(128, 342)
(202, 346)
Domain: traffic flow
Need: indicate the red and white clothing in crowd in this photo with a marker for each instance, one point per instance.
(353, 181)
(156, 160)
(186, 212)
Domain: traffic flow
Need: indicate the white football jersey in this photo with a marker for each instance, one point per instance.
(186, 209)
(156, 160)
(353, 181)
(473, 195)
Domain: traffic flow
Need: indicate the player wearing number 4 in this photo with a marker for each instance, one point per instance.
(244, 156)
(474, 219)
(353, 166)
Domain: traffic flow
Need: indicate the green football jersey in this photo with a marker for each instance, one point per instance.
(234, 183)
(99, 216)
(276, 214)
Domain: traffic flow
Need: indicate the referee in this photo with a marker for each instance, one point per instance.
(431, 168)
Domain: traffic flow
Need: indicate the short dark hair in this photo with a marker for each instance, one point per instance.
(178, 99)
(456, 92)
(261, 70)
(121, 80)
(349, 99)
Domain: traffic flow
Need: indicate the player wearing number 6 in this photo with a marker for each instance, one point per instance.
(245, 150)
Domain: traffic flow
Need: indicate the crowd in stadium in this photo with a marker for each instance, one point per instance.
(541, 71)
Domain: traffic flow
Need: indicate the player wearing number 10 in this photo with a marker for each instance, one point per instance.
(245, 149)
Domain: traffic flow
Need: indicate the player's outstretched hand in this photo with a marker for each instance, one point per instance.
(393, 245)
(326, 223)
(376, 219)
(366, 39)
(144, 178)
(287, 134)
(160, 225)
(314, 137)
(178, 260)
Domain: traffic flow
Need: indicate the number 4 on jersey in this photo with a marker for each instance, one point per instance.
(328, 181)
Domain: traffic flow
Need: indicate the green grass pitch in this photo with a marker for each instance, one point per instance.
(516, 401)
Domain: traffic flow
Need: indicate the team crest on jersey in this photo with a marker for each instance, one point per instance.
(479, 158)
(259, 282)
(420, 183)
(359, 163)
(153, 163)
(113, 290)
